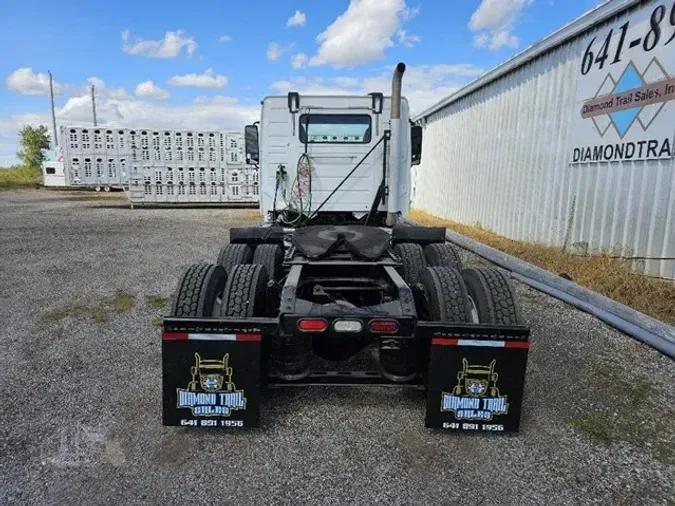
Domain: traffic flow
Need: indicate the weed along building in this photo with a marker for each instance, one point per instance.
(570, 143)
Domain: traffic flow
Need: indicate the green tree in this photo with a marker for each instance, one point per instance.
(33, 141)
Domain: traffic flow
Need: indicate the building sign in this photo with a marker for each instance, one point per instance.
(625, 108)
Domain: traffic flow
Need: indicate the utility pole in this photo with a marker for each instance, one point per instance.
(93, 104)
(51, 95)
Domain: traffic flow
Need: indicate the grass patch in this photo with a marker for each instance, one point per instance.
(608, 276)
(155, 301)
(94, 311)
(123, 302)
(158, 321)
(19, 176)
(665, 453)
(59, 314)
(251, 215)
(96, 314)
(595, 425)
(625, 409)
(99, 315)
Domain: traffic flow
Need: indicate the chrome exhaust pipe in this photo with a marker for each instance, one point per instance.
(395, 145)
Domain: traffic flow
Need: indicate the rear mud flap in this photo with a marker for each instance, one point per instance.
(476, 379)
(211, 379)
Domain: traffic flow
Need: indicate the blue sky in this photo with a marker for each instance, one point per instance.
(206, 65)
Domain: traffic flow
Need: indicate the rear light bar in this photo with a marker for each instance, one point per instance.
(312, 325)
(383, 326)
(347, 326)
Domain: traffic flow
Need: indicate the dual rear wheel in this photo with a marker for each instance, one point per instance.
(445, 293)
(476, 295)
(453, 294)
(236, 286)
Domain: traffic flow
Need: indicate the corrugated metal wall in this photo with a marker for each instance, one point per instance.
(499, 157)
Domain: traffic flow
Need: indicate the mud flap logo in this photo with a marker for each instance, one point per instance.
(211, 392)
(476, 396)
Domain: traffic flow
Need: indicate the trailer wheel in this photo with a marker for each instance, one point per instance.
(443, 255)
(492, 295)
(198, 290)
(245, 292)
(270, 256)
(234, 254)
(412, 257)
(446, 296)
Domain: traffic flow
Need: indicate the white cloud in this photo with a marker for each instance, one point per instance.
(297, 19)
(23, 80)
(148, 89)
(406, 40)
(481, 40)
(206, 80)
(299, 60)
(423, 85)
(362, 33)
(170, 46)
(98, 83)
(409, 13)
(275, 50)
(118, 94)
(495, 20)
(116, 108)
(225, 38)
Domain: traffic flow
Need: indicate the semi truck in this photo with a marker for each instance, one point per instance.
(334, 287)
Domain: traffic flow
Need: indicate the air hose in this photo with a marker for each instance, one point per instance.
(299, 202)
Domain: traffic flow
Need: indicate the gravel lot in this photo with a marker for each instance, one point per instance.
(80, 388)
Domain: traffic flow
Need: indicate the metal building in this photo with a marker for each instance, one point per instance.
(161, 166)
(569, 143)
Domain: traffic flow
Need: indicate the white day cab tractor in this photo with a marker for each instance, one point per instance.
(333, 288)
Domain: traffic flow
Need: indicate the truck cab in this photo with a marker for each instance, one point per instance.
(333, 159)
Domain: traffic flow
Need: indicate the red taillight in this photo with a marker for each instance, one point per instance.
(312, 325)
(383, 326)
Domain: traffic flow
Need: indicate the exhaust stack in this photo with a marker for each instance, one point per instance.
(395, 145)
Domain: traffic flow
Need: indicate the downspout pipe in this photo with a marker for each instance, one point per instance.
(395, 158)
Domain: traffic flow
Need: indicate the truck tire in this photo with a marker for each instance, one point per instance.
(446, 300)
(412, 257)
(198, 289)
(446, 296)
(270, 256)
(493, 296)
(234, 254)
(245, 292)
(443, 255)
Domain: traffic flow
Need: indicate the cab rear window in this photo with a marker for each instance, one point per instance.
(335, 128)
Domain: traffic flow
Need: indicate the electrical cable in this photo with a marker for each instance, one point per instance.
(299, 196)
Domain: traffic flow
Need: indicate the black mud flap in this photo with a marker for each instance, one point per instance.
(476, 378)
(211, 377)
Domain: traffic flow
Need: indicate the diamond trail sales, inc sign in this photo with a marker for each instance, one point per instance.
(624, 104)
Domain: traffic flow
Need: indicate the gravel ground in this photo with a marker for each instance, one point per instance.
(80, 391)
